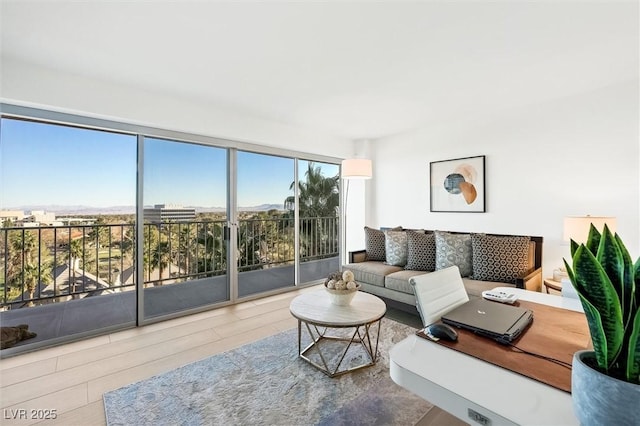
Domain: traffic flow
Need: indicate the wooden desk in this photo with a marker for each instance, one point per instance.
(469, 388)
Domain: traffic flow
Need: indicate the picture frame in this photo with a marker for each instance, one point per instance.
(458, 185)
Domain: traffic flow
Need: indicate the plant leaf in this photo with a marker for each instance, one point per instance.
(603, 310)
(574, 247)
(636, 274)
(612, 260)
(598, 335)
(633, 358)
(628, 284)
(593, 239)
(594, 321)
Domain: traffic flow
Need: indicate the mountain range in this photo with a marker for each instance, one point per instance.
(114, 210)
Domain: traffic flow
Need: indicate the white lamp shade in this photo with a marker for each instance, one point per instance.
(577, 228)
(356, 168)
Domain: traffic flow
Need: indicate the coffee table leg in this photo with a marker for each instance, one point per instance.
(366, 342)
(363, 337)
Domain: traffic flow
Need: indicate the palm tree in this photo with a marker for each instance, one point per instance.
(318, 197)
(75, 252)
(27, 264)
(161, 258)
(100, 233)
(22, 252)
(214, 246)
(30, 277)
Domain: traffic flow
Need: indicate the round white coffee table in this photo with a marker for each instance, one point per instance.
(320, 316)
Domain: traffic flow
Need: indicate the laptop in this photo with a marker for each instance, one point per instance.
(503, 323)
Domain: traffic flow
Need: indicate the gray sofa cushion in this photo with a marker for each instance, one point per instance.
(454, 249)
(421, 251)
(499, 258)
(399, 281)
(371, 272)
(395, 246)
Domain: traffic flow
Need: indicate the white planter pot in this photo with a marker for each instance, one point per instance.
(599, 399)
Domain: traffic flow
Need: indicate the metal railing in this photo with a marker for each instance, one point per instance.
(47, 264)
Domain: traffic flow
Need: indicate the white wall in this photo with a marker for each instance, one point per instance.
(571, 156)
(31, 85)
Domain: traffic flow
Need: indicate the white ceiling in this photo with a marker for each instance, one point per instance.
(357, 70)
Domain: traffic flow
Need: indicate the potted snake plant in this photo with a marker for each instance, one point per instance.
(605, 382)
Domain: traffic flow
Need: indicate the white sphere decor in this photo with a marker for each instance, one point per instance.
(341, 287)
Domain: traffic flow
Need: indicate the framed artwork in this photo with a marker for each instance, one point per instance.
(458, 185)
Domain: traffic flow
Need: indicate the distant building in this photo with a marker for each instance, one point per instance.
(12, 216)
(40, 217)
(70, 221)
(169, 213)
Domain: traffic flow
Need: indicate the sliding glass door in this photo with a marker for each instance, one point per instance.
(106, 229)
(67, 230)
(265, 230)
(185, 218)
(319, 210)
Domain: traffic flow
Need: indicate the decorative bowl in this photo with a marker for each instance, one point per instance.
(342, 297)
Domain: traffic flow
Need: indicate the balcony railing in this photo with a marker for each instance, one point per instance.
(49, 264)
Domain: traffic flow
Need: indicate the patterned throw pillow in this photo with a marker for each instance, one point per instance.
(453, 249)
(500, 259)
(374, 244)
(395, 248)
(421, 254)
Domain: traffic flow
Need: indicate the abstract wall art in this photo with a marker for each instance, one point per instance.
(458, 185)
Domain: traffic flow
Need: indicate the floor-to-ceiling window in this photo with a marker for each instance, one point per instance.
(319, 210)
(185, 216)
(266, 232)
(103, 226)
(67, 208)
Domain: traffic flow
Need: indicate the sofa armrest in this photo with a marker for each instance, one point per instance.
(357, 256)
(532, 281)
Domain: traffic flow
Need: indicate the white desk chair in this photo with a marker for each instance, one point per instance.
(438, 292)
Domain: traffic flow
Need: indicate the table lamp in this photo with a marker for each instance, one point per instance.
(576, 228)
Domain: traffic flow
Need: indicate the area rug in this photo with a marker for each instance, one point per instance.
(266, 383)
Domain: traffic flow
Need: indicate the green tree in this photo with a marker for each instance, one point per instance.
(318, 195)
(75, 254)
(100, 233)
(187, 247)
(27, 264)
(160, 259)
(33, 274)
(318, 202)
(211, 239)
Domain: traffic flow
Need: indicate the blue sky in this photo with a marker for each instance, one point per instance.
(42, 164)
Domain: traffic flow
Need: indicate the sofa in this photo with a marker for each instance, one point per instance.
(393, 255)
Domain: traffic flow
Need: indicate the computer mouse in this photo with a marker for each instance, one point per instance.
(443, 331)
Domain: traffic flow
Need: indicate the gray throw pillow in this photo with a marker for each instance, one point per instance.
(395, 248)
(421, 251)
(374, 244)
(497, 258)
(454, 249)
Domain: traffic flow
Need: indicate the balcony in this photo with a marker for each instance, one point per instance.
(68, 282)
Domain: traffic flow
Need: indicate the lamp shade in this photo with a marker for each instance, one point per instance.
(577, 228)
(356, 168)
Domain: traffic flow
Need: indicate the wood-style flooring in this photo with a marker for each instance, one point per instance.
(71, 378)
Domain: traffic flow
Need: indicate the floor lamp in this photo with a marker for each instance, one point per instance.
(353, 168)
